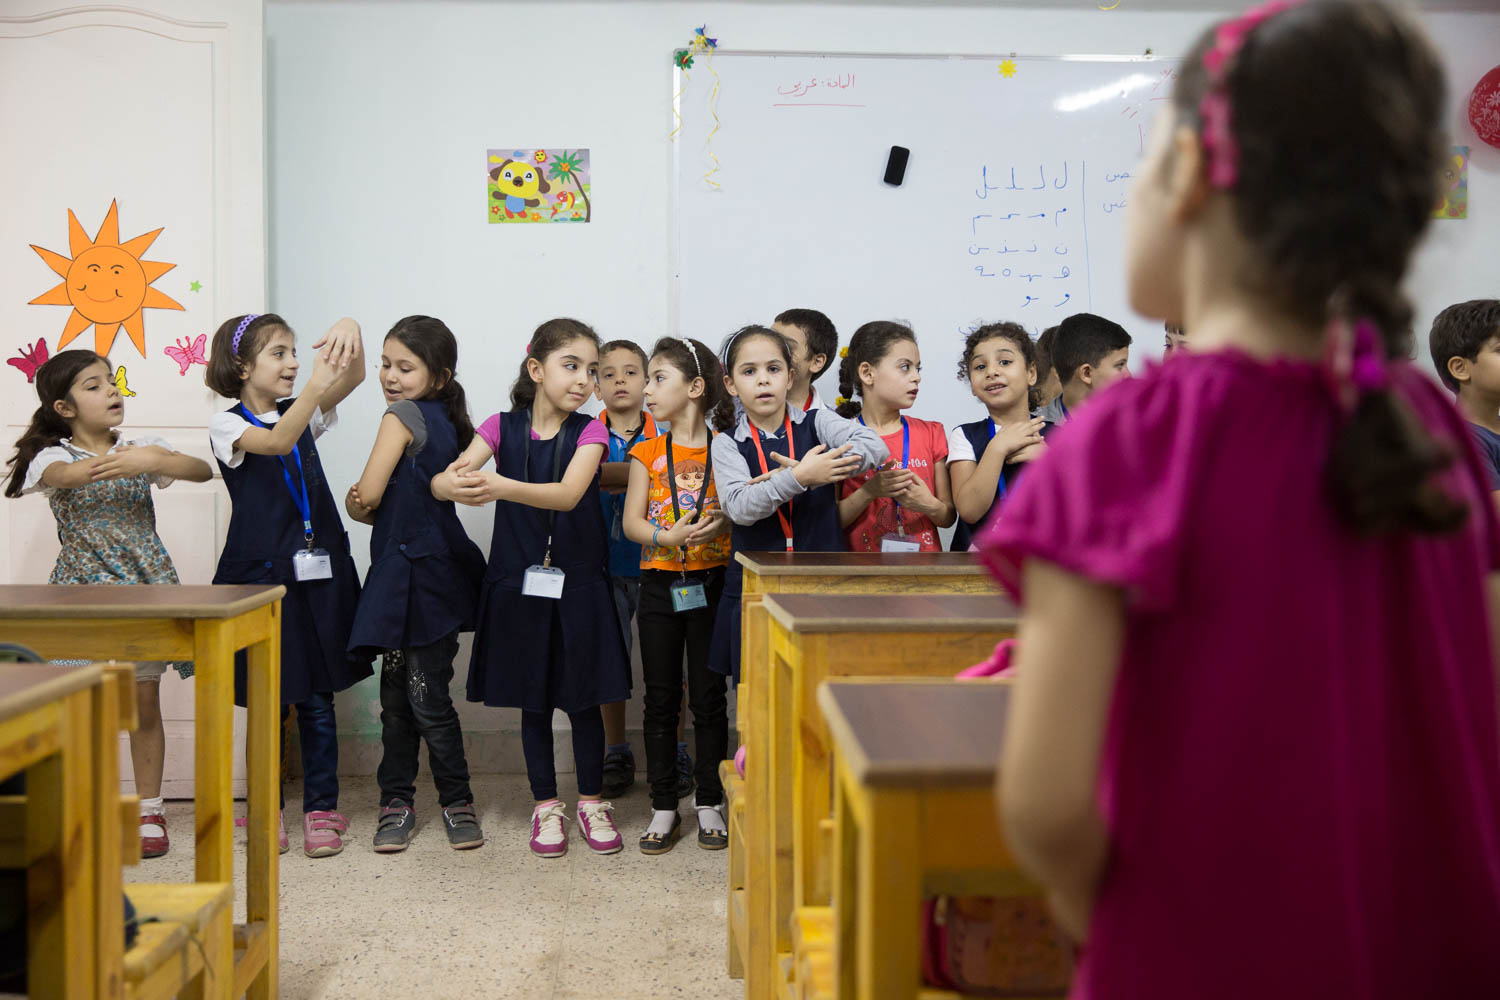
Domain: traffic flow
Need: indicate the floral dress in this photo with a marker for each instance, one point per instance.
(107, 529)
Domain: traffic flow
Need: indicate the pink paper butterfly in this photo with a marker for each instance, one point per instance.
(186, 355)
(30, 359)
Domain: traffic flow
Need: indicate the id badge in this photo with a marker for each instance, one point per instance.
(899, 543)
(543, 581)
(688, 596)
(312, 564)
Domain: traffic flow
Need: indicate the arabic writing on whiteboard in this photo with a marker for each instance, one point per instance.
(817, 92)
(1027, 235)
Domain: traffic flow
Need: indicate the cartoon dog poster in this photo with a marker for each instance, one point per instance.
(1453, 200)
(538, 185)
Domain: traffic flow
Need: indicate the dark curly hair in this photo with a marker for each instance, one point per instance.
(1013, 332)
(1332, 200)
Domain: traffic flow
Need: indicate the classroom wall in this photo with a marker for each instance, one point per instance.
(379, 115)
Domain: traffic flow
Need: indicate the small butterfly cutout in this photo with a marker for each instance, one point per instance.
(121, 384)
(30, 359)
(187, 354)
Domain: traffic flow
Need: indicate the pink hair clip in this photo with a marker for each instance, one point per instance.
(1356, 362)
(1214, 108)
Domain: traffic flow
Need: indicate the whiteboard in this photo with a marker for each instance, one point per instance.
(1012, 207)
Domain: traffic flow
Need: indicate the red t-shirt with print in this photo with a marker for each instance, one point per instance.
(929, 446)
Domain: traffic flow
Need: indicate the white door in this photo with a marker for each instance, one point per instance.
(133, 120)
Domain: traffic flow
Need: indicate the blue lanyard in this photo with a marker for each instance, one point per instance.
(999, 480)
(905, 460)
(299, 497)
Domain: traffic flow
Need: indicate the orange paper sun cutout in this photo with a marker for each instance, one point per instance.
(105, 282)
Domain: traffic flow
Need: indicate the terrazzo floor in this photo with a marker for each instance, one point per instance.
(495, 922)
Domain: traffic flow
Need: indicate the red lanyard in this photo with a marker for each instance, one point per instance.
(791, 450)
(808, 405)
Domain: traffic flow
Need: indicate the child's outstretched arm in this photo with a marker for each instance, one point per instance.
(345, 350)
(71, 475)
(462, 481)
(391, 442)
(562, 496)
(1049, 769)
(835, 431)
(151, 459)
(281, 437)
(465, 483)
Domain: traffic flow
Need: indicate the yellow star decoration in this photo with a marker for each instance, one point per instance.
(1007, 68)
(106, 283)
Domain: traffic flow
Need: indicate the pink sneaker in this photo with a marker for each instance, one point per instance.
(282, 843)
(549, 831)
(320, 833)
(597, 824)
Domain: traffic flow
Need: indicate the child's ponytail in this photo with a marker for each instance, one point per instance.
(1331, 228)
(1382, 469)
(870, 343)
(548, 338)
(53, 380)
(436, 347)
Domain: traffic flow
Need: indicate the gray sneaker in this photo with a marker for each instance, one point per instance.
(398, 821)
(463, 826)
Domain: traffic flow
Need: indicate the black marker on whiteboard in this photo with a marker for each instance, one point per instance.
(895, 165)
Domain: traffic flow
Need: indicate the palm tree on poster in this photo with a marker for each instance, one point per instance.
(566, 167)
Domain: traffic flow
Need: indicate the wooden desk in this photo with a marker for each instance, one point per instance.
(915, 815)
(814, 637)
(767, 573)
(206, 625)
(46, 723)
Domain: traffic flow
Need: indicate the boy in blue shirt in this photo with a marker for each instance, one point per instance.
(1465, 345)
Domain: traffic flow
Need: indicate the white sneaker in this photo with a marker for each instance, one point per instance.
(549, 835)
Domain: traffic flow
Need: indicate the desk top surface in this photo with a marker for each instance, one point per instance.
(861, 563)
(918, 733)
(134, 601)
(25, 686)
(893, 612)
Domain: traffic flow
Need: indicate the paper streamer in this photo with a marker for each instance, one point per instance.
(683, 60)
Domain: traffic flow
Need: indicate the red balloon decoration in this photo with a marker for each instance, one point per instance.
(1484, 107)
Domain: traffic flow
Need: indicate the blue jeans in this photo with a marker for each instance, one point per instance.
(320, 752)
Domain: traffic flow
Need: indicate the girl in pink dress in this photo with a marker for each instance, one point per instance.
(1253, 746)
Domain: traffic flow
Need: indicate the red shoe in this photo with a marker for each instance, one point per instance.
(154, 847)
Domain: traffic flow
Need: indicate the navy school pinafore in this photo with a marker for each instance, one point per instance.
(425, 572)
(536, 653)
(265, 529)
(980, 434)
(815, 528)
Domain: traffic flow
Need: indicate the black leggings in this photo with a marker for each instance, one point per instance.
(588, 752)
(665, 636)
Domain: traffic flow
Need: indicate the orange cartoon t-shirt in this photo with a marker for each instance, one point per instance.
(690, 465)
